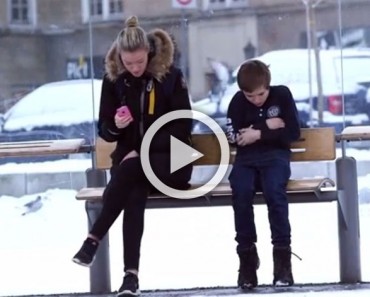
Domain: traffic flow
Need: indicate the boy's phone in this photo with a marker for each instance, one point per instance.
(123, 111)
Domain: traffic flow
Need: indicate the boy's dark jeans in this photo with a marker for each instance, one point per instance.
(272, 175)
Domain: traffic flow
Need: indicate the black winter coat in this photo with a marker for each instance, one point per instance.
(127, 90)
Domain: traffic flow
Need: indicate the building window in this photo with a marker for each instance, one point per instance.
(22, 12)
(238, 2)
(115, 6)
(214, 4)
(101, 10)
(96, 8)
(223, 4)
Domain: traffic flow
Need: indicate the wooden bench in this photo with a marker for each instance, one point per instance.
(42, 148)
(315, 144)
(355, 133)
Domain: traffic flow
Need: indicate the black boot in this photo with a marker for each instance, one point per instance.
(283, 276)
(249, 263)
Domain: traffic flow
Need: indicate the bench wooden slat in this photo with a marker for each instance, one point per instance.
(37, 148)
(103, 152)
(209, 146)
(319, 144)
(303, 185)
(25, 143)
(355, 133)
(315, 144)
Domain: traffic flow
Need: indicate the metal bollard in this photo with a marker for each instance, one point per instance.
(100, 282)
(348, 220)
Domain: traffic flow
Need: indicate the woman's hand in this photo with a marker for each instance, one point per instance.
(122, 121)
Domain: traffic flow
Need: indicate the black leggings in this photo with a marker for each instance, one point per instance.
(127, 190)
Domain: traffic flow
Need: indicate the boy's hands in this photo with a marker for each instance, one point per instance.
(275, 123)
(247, 136)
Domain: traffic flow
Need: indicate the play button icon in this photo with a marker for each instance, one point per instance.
(182, 154)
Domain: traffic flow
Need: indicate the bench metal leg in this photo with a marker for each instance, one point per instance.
(348, 220)
(100, 281)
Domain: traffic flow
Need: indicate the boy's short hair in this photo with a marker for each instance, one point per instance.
(252, 75)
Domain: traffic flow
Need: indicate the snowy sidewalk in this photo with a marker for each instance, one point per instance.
(324, 290)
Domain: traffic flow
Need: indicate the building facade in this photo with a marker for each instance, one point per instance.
(51, 40)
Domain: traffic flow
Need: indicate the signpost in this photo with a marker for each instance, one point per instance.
(183, 5)
(312, 44)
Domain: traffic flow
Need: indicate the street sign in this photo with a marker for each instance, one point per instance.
(184, 4)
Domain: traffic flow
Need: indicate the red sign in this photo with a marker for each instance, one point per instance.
(184, 3)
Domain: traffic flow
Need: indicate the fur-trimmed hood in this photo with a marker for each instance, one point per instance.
(159, 64)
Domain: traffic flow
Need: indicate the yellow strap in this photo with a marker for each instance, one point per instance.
(151, 100)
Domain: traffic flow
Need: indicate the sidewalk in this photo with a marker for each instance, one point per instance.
(324, 290)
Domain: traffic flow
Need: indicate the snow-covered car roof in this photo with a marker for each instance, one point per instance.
(60, 103)
(298, 60)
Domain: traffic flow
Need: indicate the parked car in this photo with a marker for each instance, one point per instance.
(69, 108)
(290, 67)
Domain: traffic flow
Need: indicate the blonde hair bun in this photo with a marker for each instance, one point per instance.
(132, 22)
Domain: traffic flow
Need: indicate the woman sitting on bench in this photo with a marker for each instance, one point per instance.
(141, 84)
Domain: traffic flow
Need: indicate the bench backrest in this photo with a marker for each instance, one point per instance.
(315, 144)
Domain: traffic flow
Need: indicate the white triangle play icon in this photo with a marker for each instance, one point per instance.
(182, 154)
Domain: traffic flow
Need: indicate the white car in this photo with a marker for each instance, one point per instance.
(67, 107)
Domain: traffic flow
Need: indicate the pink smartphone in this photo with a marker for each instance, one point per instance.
(124, 111)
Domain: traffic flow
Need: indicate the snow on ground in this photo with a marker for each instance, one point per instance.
(351, 293)
(311, 294)
(71, 165)
(182, 248)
